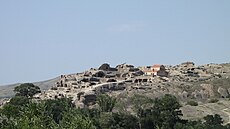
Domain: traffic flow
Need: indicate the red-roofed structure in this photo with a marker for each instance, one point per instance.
(156, 70)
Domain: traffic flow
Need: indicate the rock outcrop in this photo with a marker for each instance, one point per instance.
(223, 92)
(186, 81)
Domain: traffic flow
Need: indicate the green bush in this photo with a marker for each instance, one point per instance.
(213, 100)
(192, 103)
(164, 113)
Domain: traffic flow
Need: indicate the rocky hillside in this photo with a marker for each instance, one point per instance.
(186, 81)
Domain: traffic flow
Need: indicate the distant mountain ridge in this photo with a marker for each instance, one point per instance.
(7, 90)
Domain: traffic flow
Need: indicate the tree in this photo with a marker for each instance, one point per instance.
(74, 120)
(27, 90)
(57, 107)
(146, 119)
(6, 123)
(19, 101)
(34, 122)
(213, 121)
(161, 113)
(27, 116)
(105, 120)
(124, 121)
(190, 125)
(141, 103)
(165, 112)
(105, 102)
(11, 111)
(94, 114)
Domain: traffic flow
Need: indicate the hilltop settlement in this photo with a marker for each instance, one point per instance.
(186, 81)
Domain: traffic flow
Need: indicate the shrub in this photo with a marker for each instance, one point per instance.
(54, 88)
(192, 103)
(213, 100)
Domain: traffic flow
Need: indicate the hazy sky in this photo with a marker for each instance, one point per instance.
(42, 39)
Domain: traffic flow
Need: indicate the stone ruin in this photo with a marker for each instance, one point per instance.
(84, 87)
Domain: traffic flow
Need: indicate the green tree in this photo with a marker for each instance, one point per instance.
(213, 121)
(19, 101)
(105, 120)
(74, 120)
(15, 107)
(27, 90)
(105, 102)
(164, 114)
(123, 121)
(166, 111)
(31, 115)
(6, 123)
(94, 114)
(141, 107)
(46, 114)
(190, 125)
(11, 111)
(56, 108)
(35, 122)
(145, 119)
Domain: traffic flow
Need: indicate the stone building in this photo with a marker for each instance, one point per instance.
(156, 70)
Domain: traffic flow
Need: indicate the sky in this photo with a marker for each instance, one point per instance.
(42, 39)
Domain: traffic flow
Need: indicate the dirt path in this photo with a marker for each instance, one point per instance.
(100, 85)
